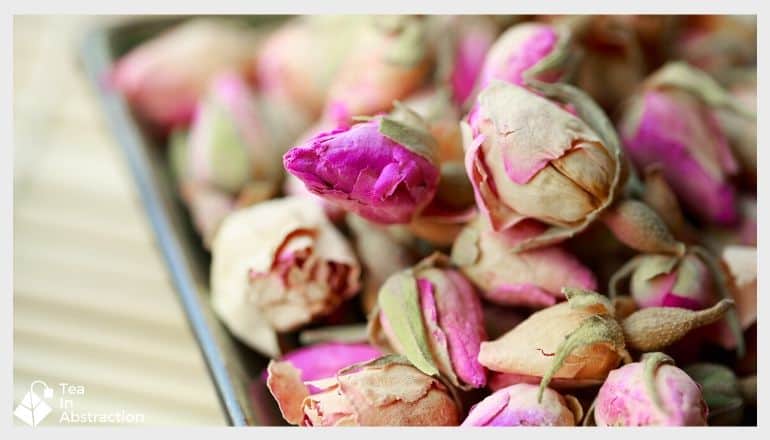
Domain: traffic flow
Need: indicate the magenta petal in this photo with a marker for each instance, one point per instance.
(679, 137)
(366, 173)
(460, 317)
(325, 360)
(524, 294)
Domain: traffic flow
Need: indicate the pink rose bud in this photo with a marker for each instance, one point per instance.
(324, 360)
(531, 278)
(531, 159)
(229, 143)
(164, 77)
(652, 392)
(667, 281)
(431, 315)
(671, 123)
(387, 391)
(517, 405)
(383, 170)
(389, 61)
(300, 60)
(277, 266)
(517, 50)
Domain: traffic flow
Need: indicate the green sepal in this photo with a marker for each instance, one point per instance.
(407, 128)
(595, 329)
(230, 163)
(651, 362)
(399, 301)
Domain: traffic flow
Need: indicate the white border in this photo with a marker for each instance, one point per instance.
(307, 6)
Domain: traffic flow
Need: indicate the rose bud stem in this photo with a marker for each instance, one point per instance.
(655, 328)
(640, 228)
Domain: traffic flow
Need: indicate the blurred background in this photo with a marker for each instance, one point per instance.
(93, 301)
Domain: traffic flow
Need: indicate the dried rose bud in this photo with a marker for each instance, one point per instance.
(519, 49)
(740, 263)
(229, 144)
(721, 392)
(300, 60)
(389, 61)
(387, 391)
(276, 266)
(383, 170)
(667, 281)
(530, 159)
(652, 392)
(164, 77)
(671, 122)
(573, 343)
(324, 360)
(431, 314)
(531, 278)
(517, 405)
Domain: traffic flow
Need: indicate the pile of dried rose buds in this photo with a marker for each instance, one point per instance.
(474, 220)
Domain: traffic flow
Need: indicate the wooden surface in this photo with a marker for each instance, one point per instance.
(93, 302)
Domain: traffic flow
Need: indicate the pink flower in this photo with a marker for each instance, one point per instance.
(164, 77)
(324, 360)
(531, 159)
(431, 315)
(638, 394)
(532, 278)
(666, 281)
(675, 129)
(517, 50)
(473, 37)
(387, 391)
(517, 405)
(366, 170)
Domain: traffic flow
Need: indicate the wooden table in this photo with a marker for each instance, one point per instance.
(93, 302)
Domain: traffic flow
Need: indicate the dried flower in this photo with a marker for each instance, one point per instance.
(718, 43)
(668, 281)
(387, 391)
(671, 122)
(389, 61)
(431, 314)
(300, 60)
(531, 159)
(277, 266)
(578, 342)
(517, 405)
(652, 392)
(164, 77)
(574, 343)
(383, 169)
(531, 278)
(519, 49)
(326, 359)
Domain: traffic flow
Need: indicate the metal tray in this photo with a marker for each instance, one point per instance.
(234, 368)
